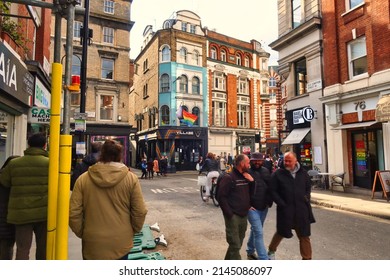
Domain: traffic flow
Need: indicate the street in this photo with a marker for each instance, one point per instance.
(194, 230)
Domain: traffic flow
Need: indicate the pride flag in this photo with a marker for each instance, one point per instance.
(189, 118)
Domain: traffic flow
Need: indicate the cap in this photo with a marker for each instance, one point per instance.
(257, 156)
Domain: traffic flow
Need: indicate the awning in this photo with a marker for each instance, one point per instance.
(355, 125)
(296, 136)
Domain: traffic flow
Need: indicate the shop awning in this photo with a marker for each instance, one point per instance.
(296, 136)
(354, 125)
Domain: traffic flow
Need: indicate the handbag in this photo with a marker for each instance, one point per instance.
(197, 166)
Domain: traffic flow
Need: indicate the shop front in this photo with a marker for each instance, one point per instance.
(16, 94)
(182, 146)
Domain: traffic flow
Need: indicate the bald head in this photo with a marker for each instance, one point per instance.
(290, 160)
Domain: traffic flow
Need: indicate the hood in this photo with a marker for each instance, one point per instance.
(107, 175)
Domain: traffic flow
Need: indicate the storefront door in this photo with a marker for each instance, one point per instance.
(365, 158)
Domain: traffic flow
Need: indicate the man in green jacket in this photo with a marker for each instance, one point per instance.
(27, 176)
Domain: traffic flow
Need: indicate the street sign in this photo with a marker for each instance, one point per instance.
(80, 116)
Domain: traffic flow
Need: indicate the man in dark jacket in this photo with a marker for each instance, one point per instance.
(234, 201)
(261, 200)
(87, 161)
(291, 190)
(27, 177)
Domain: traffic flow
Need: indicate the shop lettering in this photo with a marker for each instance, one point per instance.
(180, 132)
(8, 73)
(40, 113)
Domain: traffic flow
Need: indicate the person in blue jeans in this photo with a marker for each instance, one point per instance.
(261, 200)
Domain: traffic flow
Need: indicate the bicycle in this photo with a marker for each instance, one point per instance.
(212, 191)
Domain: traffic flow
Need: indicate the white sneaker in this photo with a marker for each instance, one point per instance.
(206, 199)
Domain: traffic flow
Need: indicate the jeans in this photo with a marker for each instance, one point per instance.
(235, 228)
(256, 238)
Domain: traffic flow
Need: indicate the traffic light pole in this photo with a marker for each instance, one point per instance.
(83, 74)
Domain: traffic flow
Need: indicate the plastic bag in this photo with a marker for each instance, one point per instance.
(202, 180)
(197, 166)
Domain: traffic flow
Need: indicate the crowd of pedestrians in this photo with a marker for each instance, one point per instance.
(156, 166)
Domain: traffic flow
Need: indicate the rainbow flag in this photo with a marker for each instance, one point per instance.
(188, 118)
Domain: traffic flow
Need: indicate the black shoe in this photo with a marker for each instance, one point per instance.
(252, 256)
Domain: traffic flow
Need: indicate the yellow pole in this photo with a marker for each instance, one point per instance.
(61, 250)
(55, 115)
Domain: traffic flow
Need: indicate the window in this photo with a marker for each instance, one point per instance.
(196, 112)
(145, 91)
(273, 114)
(242, 86)
(183, 54)
(75, 99)
(300, 77)
(106, 107)
(108, 35)
(219, 113)
(213, 53)
(353, 3)
(238, 59)
(264, 85)
(76, 65)
(107, 68)
(166, 54)
(264, 64)
(183, 85)
(192, 28)
(76, 29)
(109, 6)
(195, 85)
(164, 83)
(357, 57)
(195, 57)
(273, 129)
(296, 13)
(145, 65)
(243, 115)
(184, 26)
(272, 97)
(219, 81)
(246, 61)
(272, 82)
(164, 115)
(152, 117)
(223, 55)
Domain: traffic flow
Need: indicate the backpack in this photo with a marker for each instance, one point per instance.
(219, 179)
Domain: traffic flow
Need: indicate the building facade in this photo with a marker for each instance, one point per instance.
(357, 70)
(24, 75)
(299, 45)
(238, 80)
(107, 75)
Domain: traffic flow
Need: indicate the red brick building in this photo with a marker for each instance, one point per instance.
(356, 47)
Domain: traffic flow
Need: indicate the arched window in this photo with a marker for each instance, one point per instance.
(164, 83)
(195, 85)
(238, 59)
(195, 57)
(183, 85)
(246, 61)
(213, 53)
(196, 112)
(223, 55)
(164, 115)
(183, 54)
(166, 54)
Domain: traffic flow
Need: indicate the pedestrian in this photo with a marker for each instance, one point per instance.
(107, 207)
(7, 231)
(268, 163)
(280, 163)
(27, 178)
(144, 167)
(291, 190)
(86, 162)
(212, 168)
(222, 164)
(149, 167)
(229, 159)
(199, 163)
(234, 200)
(155, 166)
(164, 165)
(261, 200)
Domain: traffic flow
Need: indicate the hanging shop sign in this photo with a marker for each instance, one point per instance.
(306, 114)
(382, 113)
(39, 115)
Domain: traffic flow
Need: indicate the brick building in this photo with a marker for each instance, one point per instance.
(24, 76)
(356, 69)
(108, 73)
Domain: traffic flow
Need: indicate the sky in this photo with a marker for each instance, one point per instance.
(244, 20)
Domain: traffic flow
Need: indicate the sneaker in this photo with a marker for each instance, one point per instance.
(271, 255)
(206, 199)
(252, 256)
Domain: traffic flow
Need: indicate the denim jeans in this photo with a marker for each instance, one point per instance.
(256, 238)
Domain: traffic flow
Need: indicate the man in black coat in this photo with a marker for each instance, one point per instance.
(291, 190)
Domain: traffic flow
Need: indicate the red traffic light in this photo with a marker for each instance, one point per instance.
(75, 86)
